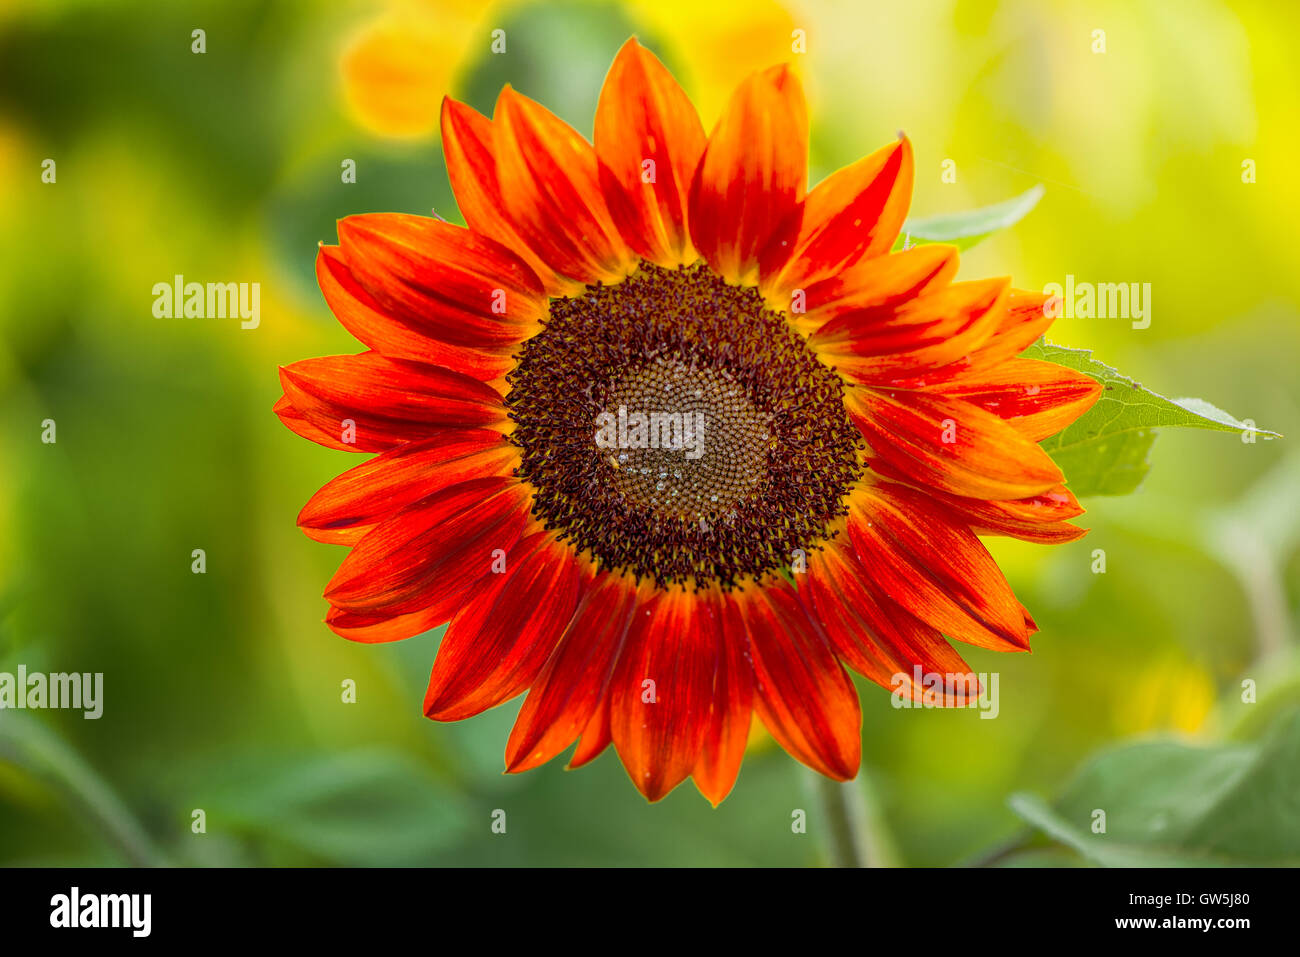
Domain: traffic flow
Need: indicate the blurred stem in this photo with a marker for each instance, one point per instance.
(27, 743)
(1261, 580)
(855, 830)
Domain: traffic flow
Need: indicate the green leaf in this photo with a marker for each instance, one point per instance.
(1172, 804)
(29, 744)
(1105, 451)
(363, 808)
(966, 229)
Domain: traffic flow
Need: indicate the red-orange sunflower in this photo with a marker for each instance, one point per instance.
(853, 420)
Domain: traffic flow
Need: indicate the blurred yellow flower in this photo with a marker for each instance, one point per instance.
(397, 67)
(715, 48)
(1168, 695)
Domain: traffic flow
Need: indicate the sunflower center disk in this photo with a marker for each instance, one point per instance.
(675, 427)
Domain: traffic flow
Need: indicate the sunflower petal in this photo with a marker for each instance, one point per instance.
(662, 691)
(423, 553)
(875, 637)
(351, 504)
(1040, 518)
(643, 117)
(575, 679)
(374, 325)
(854, 213)
(297, 423)
(753, 174)
(878, 283)
(900, 344)
(498, 642)
(934, 568)
(373, 627)
(458, 286)
(803, 695)
(732, 705)
(469, 145)
(1035, 398)
(945, 443)
(387, 401)
(549, 181)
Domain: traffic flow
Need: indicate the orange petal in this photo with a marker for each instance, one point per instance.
(575, 679)
(732, 704)
(499, 641)
(1024, 321)
(878, 283)
(934, 568)
(595, 738)
(424, 552)
(854, 213)
(945, 443)
(662, 690)
(909, 342)
(387, 401)
(1040, 518)
(874, 636)
(373, 324)
(753, 173)
(458, 286)
(1035, 398)
(296, 422)
(551, 188)
(643, 117)
(469, 144)
(351, 504)
(377, 627)
(804, 697)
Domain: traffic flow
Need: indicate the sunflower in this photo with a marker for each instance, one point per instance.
(853, 420)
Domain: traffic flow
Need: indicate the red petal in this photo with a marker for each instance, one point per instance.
(1025, 320)
(727, 731)
(935, 569)
(662, 690)
(881, 345)
(944, 443)
(455, 285)
(371, 628)
(876, 637)
(497, 644)
(350, 505)
(359, 313)
(643, 115)
(853, 213)
(469, 144)
(388, 400)
(424, 552)
(803, 695)
(549, 183)
(596, 737)
(1040, 518)
(296, 422)
(1035, 398)
(753, 173)
(574, 681)
(881, 282)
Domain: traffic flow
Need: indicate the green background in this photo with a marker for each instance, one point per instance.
(222, 690)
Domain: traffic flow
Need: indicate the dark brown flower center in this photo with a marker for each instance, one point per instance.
(676, 427)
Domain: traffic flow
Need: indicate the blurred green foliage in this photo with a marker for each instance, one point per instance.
(223, 690)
